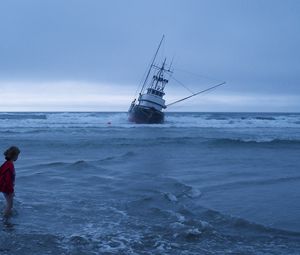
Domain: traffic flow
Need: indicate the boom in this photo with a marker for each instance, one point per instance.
(200, 92)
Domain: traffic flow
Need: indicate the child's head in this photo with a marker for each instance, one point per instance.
(12, 153)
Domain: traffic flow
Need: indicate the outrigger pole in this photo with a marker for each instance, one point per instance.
(218, 85)
(152, 63)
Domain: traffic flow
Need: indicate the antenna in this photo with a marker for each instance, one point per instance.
(171, 63)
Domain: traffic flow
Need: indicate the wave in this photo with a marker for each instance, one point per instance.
(126, 155)
(253, 141)
(265, 118)
(163, 217)
(253, 182)
(133, 237)
(62, 164)
(23, 116)
(172, 120)
(187, 221)
(180, 206)
(82, 163)
(198, 140)
(235, 224)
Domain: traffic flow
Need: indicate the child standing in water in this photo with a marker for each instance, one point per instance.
(7, 177)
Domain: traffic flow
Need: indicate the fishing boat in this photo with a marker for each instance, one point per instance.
(148, 107)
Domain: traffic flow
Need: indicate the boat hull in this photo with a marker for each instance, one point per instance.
(143, 115)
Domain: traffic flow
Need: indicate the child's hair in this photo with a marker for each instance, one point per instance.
(11, 152)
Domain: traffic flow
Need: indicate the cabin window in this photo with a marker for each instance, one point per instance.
(155, 92)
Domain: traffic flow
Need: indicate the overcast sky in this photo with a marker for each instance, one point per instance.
(84, 55)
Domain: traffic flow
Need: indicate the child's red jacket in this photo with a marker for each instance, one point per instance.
(7, 177)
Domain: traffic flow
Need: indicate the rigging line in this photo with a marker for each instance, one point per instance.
(180, 100)
(180, 83)
(143, 79)
(199, 75)
(140, 84)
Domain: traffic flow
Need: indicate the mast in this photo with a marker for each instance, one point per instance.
(147, 76)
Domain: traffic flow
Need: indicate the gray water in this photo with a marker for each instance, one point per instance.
(202, 183)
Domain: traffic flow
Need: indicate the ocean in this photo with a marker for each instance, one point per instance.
(202, 183)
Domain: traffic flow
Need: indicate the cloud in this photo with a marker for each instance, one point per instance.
(241, 103)
(62, 95)
(88, 96)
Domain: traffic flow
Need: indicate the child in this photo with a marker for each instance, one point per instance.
(7, 177)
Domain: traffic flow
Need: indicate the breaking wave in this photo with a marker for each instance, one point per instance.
(253, 141)
(23, 116)
(119, 120)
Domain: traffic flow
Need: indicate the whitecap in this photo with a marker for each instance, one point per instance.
(193, 193)
(171, 197)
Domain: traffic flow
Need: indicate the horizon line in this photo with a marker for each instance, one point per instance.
(297, 112)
